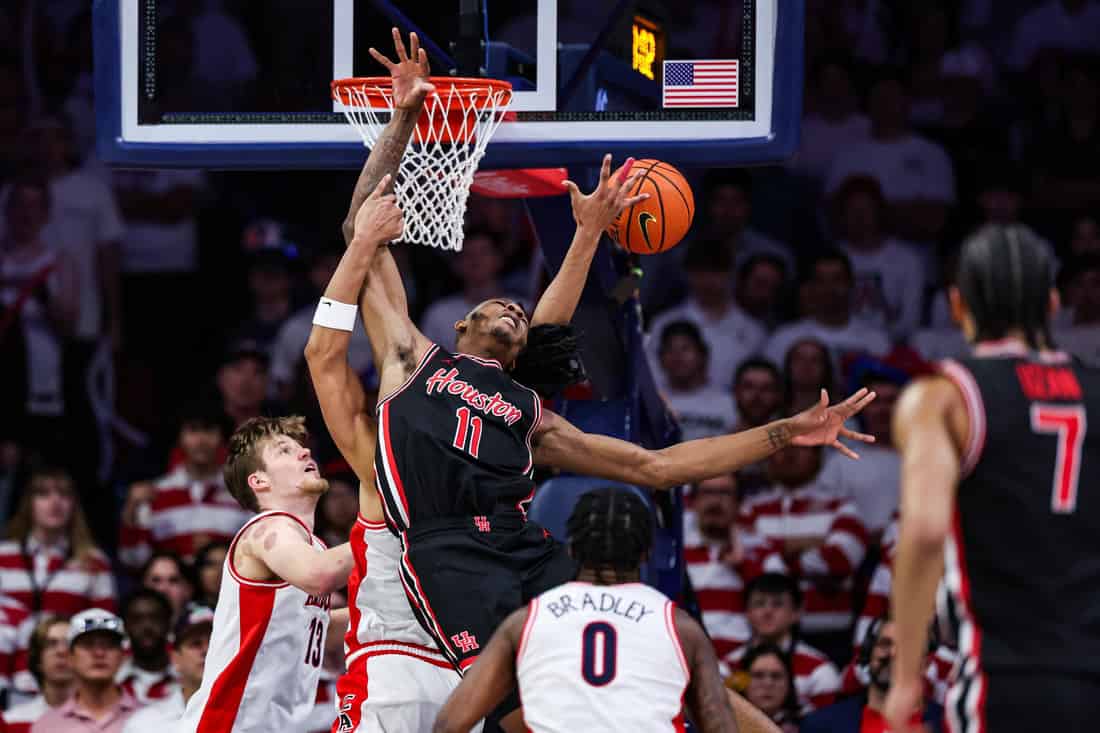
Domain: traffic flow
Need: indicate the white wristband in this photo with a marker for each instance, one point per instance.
(334, 314)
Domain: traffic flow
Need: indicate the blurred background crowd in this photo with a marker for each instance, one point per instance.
(144, 314)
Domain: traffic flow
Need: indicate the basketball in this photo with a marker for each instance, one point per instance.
(662, 220)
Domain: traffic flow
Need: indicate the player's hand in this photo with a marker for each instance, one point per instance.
(596, 211)
(410, 73)
(902, 701)
(824, 425)
(380, 218)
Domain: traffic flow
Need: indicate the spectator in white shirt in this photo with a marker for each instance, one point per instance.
(730, 334)
(758, 394)
(760, 283)
(915, 173)
(889, 276)
(1067, 25)
(48, 660)
(833, 120)
(827, 290)
(702, 408)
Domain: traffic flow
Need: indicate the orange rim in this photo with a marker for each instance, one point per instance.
(470, 88)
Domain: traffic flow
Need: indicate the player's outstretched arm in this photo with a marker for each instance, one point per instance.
(487, 682)
(409, 75)
(706, 699)
(930, 424)
(559, 444)
(279, 546)
(593, 213)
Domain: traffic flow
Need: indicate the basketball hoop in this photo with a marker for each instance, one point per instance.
(434, 177)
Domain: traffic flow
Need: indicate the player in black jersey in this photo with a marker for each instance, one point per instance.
(458, 437)
(998, 496)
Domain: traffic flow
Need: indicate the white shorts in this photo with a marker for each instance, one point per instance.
(393, 693)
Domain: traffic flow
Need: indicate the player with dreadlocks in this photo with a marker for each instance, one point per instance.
(603, 652)
(994, 450)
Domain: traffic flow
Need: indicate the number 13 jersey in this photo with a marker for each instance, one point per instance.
(264, 659)
(601, 657)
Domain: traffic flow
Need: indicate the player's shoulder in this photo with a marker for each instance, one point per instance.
(267, 524)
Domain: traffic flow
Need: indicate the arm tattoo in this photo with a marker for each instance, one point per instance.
(779, 436)
(385, 157)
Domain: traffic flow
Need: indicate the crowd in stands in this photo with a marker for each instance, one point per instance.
(145, 314)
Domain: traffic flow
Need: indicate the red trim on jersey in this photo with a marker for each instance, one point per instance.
(467, 662)
(219, 713)
(240, 533)
(670, 624)
(480, 360)
(358, 555)
(531, 431)
(419, 366)
(399, 648)
(372, 526)
(1013, 347)
(528, 625)
(420, 599)
(391, 462)
(968, 609)
(964, 381)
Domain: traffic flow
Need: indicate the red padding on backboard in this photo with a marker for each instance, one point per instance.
(520, 183)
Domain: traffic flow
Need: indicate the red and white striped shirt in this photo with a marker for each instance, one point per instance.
(16, 626)
(825, 571)
(146, 686)
(816, 679)
(184, 515)
(20, 718)
(49, 580)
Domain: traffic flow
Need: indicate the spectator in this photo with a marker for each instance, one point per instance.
(1000, 198)
(16, 627)
(166, 572)
(728, 194)
(827, 284)
(97, 705)
(478, 267)
(701, 408)
(758, 395)
(730, 334)
(209, 565)
(223, 56)
(52, 671)
(773, 604)
(714, 553)
(1066, 25)
(147, 674)
(771, 686)
(38, 313)
(337, 510)
(1081, 333)
(861, 714)
(49, 562)
(809, 370)
(1066, 153)
(889, 276)
(286, 353)
(833, 120)
(243, 381)
(189, 645)
(1085, 236)
(823, 542)
(760, 282)
(189, 506)
(914, 173)
(270, 286)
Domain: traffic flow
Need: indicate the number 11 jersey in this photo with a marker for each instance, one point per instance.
(264, 659)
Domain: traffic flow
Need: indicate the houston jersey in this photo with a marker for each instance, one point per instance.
(455, 440)
(381, 620)
(264, 660)
(605, 658)
(1023, 563)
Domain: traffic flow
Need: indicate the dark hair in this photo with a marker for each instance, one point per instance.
(1005, 279)
(762, 258)
(148, 594)
(610, 529)
(768, 649)
(708, 255)
(686, 329)
(180, 563)
(201, 557)
(716, 178)
(809, 267)
(757, 362)
(550, 361)
(774, 584)
(203, 415)
(37, 643)
(829, 378)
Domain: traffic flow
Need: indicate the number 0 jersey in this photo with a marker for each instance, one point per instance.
(264, 659)
(455, 440)
(601, 657)
(1023, 562)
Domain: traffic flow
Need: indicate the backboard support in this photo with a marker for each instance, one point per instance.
(579, 91)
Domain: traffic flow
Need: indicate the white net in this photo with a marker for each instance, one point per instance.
(434, 177)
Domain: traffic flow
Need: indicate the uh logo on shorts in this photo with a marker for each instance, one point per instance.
(466, 642)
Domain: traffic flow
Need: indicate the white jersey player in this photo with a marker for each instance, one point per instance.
(605, 652)
(273, 609)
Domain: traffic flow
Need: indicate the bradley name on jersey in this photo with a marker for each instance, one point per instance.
(443, 382)
(602, 601)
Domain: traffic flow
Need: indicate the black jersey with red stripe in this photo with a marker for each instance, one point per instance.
(1023, 563)
(455, 440)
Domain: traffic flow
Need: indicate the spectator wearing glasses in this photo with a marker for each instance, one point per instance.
(49, 664)
(98, 704)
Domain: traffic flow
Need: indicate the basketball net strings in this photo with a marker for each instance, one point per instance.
(435, 174)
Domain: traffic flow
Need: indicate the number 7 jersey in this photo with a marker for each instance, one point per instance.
(264, 659)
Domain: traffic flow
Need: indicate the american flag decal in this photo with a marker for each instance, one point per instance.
(700, 83)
